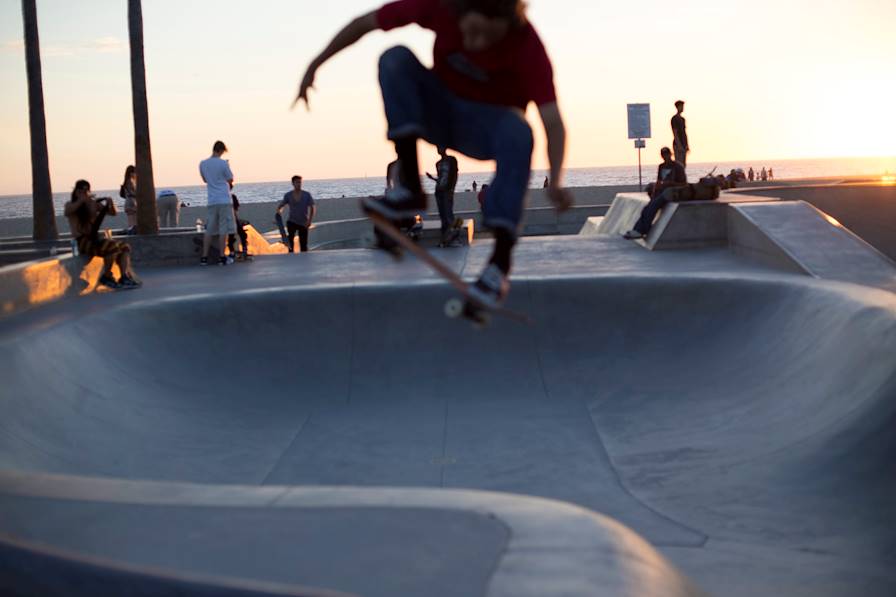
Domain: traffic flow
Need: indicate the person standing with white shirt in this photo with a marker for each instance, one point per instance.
(216, 174)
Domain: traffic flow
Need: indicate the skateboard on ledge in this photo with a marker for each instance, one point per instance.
(466, 305)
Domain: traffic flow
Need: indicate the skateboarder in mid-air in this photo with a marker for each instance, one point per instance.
(488, 64)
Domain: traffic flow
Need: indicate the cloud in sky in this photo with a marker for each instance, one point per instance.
(100, 45)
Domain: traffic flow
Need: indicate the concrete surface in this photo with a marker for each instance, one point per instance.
(868, 210)
(737, 418)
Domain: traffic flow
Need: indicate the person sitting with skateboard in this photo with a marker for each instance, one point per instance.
(488, 64)
(301, 214)
(669, 175)
(85, 216)
(446, 181)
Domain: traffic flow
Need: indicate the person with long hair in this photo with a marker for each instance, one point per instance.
(129, 193)
(488, 65)
(85, 215)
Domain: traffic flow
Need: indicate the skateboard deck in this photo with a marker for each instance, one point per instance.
(283, 236)
(467, 307)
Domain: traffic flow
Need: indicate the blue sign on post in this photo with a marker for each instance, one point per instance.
(639, 129)
(639, 121)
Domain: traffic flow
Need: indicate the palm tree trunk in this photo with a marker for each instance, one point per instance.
(147, 216)
(44, 215)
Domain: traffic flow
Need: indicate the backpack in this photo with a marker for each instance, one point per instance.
(121, 192)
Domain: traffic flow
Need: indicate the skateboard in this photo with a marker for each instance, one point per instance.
(466, 305)
(283, 236)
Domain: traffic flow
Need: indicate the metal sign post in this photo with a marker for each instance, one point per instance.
(639, 130)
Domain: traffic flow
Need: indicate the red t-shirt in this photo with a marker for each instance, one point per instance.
(512, 73)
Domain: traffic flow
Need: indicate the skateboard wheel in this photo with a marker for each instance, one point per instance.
(454, 308)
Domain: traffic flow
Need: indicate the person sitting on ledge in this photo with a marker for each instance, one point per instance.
(85, 216)
(669, 175)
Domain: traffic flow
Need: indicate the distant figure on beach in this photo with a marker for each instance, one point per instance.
(488, 64)
(128, 192)
(680, 135)
(168, 206)
(669, 175)
(216, 174)
(85, 216)
(751, 175)
(546, 183)
(475, 186)
(446, 181)
(763, 174)
(771, 174)
(240, 232)
(302, 210)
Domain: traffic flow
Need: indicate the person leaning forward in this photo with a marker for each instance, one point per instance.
(85, 216)
(669, 176)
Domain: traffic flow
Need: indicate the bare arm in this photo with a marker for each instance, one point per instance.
(556, 136)
(349, 34)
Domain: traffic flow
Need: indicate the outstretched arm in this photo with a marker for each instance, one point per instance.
(556, 136)
(351, 33)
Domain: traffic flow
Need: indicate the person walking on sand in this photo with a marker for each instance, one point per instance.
(488, 65)
(446, 181)
(217, 176)
(680, 135)
(302, 210)
(128, 192)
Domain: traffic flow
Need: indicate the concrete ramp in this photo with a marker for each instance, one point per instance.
(741, 425)
(803, 237)
(791, 236)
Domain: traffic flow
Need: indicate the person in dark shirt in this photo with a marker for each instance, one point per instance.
(302, 209)
(85, 215)
(446, 181)
(240, 232)
(488, 65)
(680, 135)
(669, 175)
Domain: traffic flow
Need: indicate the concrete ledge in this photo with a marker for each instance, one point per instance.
(33, 283)
(553, 548)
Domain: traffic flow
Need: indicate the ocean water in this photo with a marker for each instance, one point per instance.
(15, 206)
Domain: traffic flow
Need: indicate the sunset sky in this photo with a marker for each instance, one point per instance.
(762, 79)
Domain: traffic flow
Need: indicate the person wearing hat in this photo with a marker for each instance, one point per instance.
(680, 135)
(216, 174)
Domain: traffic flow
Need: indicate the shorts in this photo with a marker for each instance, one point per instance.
(101, 247)
(130, 205)
(220, 220)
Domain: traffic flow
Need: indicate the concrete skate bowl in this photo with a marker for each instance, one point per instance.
(742, 426)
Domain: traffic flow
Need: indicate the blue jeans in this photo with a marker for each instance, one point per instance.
(445, 203)
(418, 105)
(659, 201)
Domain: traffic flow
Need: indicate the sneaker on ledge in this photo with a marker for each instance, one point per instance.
(632, 235)
(398, 205)
(492, 286)
(109, 282)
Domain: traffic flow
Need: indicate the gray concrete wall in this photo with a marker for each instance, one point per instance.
(261, 215)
